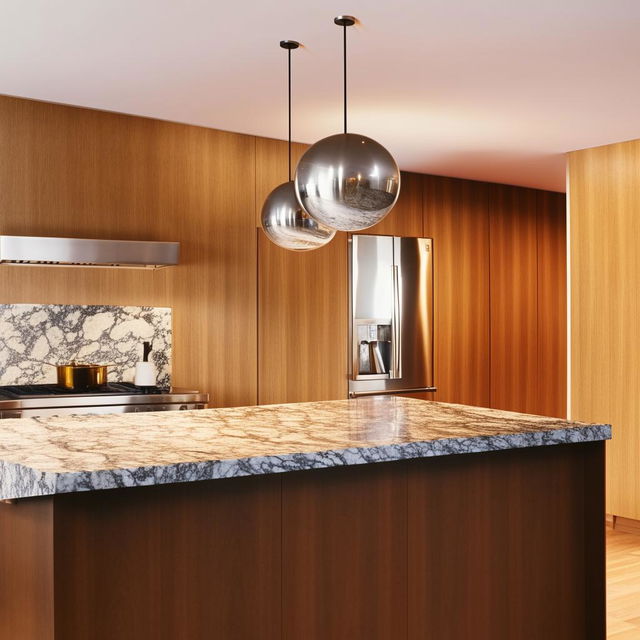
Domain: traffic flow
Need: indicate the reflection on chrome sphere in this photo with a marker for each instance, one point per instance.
(288, 225)
(347, 181)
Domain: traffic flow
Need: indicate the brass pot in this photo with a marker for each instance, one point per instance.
(81, 377)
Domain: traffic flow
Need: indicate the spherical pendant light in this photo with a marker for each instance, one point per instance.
(284, 221)
(288, 225)
(347, 181)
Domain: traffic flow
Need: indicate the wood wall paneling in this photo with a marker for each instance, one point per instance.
(456, 216)
(604, 198)
(83, 173)
(77, 172)
(302, 305)
(552, 304)
(514, 306)
(302, 302)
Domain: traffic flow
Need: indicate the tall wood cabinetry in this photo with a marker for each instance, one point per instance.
(514, 298)
(456, 216)
(500, 294)
(302, 304)
(552, 303)
(604, 199)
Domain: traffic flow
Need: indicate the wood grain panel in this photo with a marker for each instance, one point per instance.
(405, 219)
(514, 311)
(75, 172)
(302, 301)
(456, 216)
(26, 570)
(344, 553)
(552, 304)
(604, 197)
(196, 560)
(302, 304)
(507, 545)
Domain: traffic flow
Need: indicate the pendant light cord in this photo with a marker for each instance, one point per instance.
(344, 68)
(289, 97)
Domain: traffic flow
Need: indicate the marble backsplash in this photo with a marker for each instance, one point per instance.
(33, 336)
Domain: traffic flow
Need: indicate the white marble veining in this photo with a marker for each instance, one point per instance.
(43, 456)
(34, 336)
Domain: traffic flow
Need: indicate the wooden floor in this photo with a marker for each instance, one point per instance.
(623, 585)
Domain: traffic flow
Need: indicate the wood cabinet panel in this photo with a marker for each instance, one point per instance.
(604, 198)
(552, 304)
(456, 216)
(302, 306)
(26, 570)
(509, 536)
(405, 219)
(514, 306)
(66, 171)
(345, 553)
(191, 560)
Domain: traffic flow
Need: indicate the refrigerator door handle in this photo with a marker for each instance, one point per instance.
(396, 322)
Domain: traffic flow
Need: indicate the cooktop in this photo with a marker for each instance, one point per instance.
(40, 390)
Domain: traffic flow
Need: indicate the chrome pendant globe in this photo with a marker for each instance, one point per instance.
(288, 225)
(283, 220)
(347, 181)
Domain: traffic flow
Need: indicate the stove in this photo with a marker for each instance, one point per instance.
(26, 401)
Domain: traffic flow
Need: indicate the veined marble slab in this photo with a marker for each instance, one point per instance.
(34, 336)
(44, 456)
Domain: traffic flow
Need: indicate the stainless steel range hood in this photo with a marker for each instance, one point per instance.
(78, 252)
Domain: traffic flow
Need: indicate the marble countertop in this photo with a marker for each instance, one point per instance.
(45, 456)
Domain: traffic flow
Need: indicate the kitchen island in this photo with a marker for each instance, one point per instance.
(380, 517)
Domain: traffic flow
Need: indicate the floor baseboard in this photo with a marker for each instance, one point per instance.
(626, 525)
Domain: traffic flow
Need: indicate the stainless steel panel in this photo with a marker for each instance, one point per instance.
(392, 284)
(78, 402)
(414, 257)
(80, 252)
(372, 277)
(43, 412)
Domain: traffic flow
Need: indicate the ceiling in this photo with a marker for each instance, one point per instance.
(495, 90)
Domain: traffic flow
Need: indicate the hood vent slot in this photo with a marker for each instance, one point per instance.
(80, 252)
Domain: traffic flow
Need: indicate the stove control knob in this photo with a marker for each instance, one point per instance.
(183, 407)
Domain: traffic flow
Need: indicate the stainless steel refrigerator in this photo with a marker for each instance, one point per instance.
(391, 315)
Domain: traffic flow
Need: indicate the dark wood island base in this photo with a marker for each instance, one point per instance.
(505, 545)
